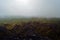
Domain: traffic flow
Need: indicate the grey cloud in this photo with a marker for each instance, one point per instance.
(37, 8)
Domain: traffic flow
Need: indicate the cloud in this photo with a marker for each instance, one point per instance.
(34, 8)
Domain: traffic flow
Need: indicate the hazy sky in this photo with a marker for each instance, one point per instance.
(30, 8)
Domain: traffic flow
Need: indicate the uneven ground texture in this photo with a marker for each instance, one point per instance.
(30, 30)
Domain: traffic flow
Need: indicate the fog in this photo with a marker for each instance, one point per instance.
(30, 8)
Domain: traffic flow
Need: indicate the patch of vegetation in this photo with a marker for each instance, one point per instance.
(35, 28)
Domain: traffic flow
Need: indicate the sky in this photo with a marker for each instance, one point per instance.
(30, 8)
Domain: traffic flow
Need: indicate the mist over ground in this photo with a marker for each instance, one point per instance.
(30, 19)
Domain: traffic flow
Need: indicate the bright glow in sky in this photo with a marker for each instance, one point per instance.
(23, 8)
(30, 8)
(22, 1)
